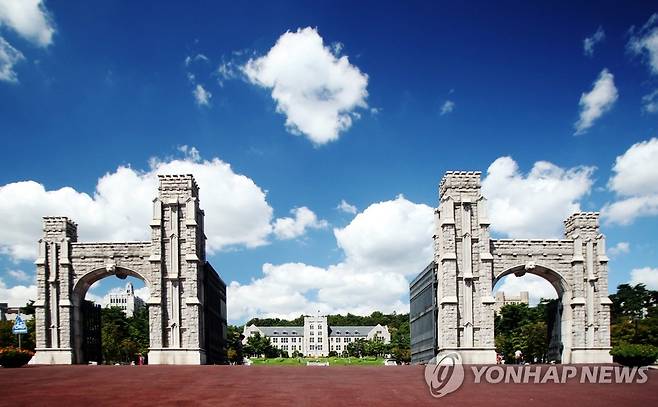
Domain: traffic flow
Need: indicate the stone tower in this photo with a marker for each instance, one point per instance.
(463, 258)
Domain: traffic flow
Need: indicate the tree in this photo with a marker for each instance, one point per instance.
(519, 327)
(138, 329)
(357, 348)
(8, 338)
(114, 330)
(260, 345)
(634, 315)
(234, 339)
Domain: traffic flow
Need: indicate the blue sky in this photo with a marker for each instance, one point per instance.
(357, 102)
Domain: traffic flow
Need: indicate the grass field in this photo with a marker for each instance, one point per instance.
(333, 361)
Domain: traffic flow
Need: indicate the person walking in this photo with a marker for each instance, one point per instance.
(518, 357)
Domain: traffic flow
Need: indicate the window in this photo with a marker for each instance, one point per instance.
(332, 347)
(311, 326)
(311, 333)
(319, 327)
(275, 340)
(312, 347)
(312, 340)
(319, 347)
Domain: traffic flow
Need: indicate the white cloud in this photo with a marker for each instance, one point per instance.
(237, 212)
(201, 95)
(144, 293)
(644, 42)
(597, 102)
(636, 171)
(346, 207)
(619, 249)
(650, 102)
(9, 56)
(315, 88)
(383, 244)
(227, 71)
(536, 204)
(647, 276)
(190, 152)
(304, 218)
(20, 275)
(591, 41)
(635, 181)
(18, 295)
(536, 286)
(447, 107)
(29, 18)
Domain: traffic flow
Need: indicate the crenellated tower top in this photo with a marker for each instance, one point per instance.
(460, 182)
(56, 228)
(177, 186)
(584, 224)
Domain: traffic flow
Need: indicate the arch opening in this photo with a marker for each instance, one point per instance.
(110, 321)
(537, 323)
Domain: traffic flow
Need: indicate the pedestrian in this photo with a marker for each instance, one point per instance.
(518, 357)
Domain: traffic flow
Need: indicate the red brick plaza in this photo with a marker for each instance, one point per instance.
(299, 386)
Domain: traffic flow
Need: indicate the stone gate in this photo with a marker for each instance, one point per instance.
(187, 305)
(452, 300)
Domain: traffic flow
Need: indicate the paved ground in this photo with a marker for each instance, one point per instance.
(299, 386)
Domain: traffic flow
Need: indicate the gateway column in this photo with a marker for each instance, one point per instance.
(464, 270)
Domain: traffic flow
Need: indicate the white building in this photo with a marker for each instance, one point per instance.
(316, 338)
(502, 300)
(126, 300)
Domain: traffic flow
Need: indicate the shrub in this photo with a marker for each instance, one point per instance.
(629, 354)
(13, 357)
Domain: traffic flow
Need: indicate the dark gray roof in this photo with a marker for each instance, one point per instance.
(282, 330)
(350, 330)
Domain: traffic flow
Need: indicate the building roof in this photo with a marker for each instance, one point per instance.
(299, 330)
(350, 330)
(282, 330)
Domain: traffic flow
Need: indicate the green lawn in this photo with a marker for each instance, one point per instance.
(333, 361)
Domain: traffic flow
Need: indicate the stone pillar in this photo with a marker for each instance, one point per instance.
(590, 305)
(464, 264)
(54, 284)
(176, 237)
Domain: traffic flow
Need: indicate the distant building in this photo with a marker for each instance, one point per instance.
(502, 300)
(8, 313)
(125, 300)
(316, 338)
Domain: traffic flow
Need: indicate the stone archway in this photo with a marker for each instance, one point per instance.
(467, 262)
(187, 307)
